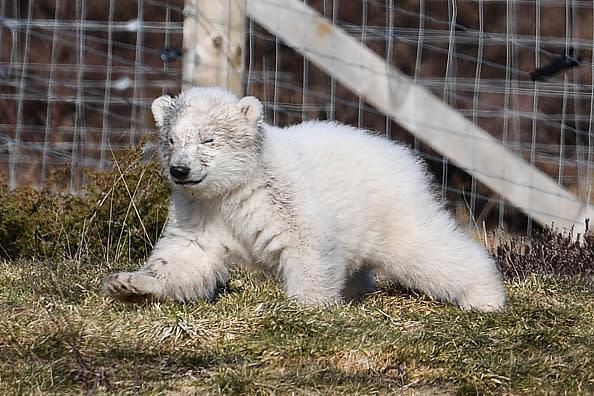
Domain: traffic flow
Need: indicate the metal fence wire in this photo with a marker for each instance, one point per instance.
(78, 77)
(77, 80)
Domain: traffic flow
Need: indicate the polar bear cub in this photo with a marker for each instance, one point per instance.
(323, 205)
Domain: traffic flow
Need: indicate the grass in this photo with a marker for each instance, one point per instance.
(60, 335)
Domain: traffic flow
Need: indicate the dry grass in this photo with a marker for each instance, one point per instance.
(59, 334)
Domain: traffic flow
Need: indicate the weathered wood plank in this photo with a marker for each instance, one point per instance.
(420, 112)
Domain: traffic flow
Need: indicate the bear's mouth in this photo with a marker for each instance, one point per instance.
(189, 182)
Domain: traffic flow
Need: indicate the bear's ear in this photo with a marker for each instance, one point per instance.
(252, 108)
(160, 107)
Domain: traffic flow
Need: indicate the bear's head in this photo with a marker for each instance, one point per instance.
(209, 140)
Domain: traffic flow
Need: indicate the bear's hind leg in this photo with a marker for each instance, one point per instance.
(448, 266)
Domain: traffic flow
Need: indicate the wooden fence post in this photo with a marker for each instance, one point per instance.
(214, 44)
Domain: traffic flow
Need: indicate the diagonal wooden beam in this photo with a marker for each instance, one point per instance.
(420, 112)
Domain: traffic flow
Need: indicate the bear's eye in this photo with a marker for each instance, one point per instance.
(207, 141)
(170, 141)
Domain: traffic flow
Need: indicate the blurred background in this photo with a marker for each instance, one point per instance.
(77, 79)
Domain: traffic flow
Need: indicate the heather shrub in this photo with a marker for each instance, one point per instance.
(548, 252)
(118, 215)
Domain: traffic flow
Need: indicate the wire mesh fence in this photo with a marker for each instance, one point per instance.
(78, 78)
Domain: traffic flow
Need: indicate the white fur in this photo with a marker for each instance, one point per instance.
(323, 205)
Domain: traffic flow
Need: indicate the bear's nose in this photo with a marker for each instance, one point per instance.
(179, 172)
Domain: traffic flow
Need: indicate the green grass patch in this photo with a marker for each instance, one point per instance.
(59, 334)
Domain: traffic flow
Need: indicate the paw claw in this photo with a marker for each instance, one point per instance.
(131, 288)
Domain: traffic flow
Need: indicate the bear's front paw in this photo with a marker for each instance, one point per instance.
(132, 287)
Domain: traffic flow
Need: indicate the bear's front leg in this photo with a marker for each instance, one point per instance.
(179, 269)
(311, 277)
(133, 287)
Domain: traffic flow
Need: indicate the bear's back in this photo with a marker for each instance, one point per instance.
(330, 153)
